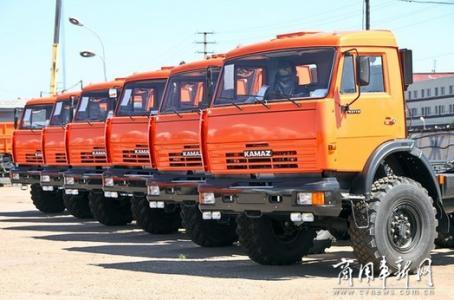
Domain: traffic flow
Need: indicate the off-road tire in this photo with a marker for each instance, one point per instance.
(109, 211)
(155, 220)
(47, 202)
(322, 241)
(390, 196)
(263, 245)
(77, 205)
(208, 233)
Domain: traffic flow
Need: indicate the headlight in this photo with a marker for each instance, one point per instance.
(69, 180)
(108, 181)
(45, 178)
(16, 176)
(153, 190)
(207, 198)
(304, 199)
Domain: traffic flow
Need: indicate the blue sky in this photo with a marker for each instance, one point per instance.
(142, 35)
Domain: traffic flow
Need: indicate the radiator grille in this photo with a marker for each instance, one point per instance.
(138, 155)
(36, 157)
(97, 155)
(189, 157)
(60, 157)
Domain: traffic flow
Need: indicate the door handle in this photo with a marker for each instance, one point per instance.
(390, 121)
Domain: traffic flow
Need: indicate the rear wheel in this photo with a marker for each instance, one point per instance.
(208, 233)
(270, 241)
(47, 202)
(77, 205)
(155, 220)
(110, 211)
(402, 224)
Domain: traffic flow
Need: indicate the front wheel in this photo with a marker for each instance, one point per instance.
(270, 241)
(155, 220)
(110, 211)
(402, 224)
(47, 202)
(77, 205)
(208, 233)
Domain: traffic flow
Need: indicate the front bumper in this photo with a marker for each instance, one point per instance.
(126, 181)
(52, 177)
(79, 179)
(175, 188)
(278, 195)
(25, 175)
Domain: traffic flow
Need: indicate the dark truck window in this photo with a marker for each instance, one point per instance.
(61, 113)
(35, 116)
(376, 76)
(141, 98)
(7, 115)
(278, 75)
(188, 91)
(94, 106)
(348, 82)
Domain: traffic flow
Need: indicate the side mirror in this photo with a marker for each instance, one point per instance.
(113, 93)
(362, 70)
(17, 112)
(406, 63)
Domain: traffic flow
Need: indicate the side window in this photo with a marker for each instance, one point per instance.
(376, 84)
(348, 83)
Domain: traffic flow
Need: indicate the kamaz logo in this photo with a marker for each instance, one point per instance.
(38, 154)
(98, 153)
(257, 153)
(191, 153)
(141, 151)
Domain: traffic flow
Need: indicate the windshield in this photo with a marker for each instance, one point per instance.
(35, 116)
(141, 98)
(94, 106)
(188, 91)
(62, 113)
(301, 73)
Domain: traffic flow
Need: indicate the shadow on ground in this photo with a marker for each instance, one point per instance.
(175, 253)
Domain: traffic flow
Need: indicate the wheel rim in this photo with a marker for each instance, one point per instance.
(404, 227)
(284, 231)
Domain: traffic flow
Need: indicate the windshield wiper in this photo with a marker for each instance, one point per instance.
(177, 113)
(293, 101)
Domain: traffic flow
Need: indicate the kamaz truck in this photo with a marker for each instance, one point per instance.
(86, 149)
(28, 154)
(307, 131)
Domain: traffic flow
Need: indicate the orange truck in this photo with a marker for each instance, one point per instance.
(128, 134)
(175, 152)
(28, 153)
(53, 140)
(7, 116)
(307, 131)
(86, 150)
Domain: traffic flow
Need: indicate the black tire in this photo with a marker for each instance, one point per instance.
(77, 205)
(109, 211)
(274, 242)
(155, 220)
(446, 240)
(208, 233)
(47, 202)
(322, 241)
(397, 204)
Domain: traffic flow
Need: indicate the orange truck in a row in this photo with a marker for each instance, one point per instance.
(276, 142)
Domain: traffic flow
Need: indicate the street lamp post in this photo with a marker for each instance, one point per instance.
(87, 54)
(423, 122)
(76, 22)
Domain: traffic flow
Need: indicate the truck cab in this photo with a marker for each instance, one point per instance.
(128, 134)
(54, 138)
(27, 145)
(306, 132)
